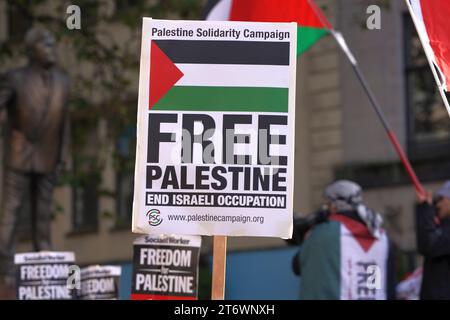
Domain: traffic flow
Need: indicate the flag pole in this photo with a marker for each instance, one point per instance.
(428, 55)
(373, 101)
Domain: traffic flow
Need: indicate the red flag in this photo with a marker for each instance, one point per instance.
(432, 19)
(312, 25)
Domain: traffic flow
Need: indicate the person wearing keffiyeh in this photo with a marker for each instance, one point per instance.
(346, 256)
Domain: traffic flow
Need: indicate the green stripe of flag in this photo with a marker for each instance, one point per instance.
(323, 266)
(234, 99)
(307, 36)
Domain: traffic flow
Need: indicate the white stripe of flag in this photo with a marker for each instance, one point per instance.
(218, 75)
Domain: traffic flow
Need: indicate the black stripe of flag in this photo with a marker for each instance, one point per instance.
(226, 52)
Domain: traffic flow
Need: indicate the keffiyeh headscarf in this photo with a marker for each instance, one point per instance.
(347, 196)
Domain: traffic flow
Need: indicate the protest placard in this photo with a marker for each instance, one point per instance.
(100, 283)
(44, 275)
(215, 151)
(165, 267)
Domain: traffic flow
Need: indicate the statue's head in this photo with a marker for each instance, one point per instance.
(40, 45)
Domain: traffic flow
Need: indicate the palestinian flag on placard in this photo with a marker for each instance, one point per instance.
(203, 75)
(432, 21)
(312, 24)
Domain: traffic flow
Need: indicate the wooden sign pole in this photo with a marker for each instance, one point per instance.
(219, 268)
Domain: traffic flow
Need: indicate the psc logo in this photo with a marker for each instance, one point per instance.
(154, 217)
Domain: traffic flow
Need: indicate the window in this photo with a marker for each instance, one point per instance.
(428, 120)
(125, 185)
(86, 204)
(85, 177)
(125, 177)
(18, 22)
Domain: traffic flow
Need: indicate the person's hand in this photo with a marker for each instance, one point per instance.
(425, 198)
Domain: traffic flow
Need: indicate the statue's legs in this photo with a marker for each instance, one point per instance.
(15, 186)
(41, 197)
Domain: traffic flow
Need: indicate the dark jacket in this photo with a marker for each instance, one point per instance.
(433, 242)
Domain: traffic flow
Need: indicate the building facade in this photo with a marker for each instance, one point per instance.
(337, 136)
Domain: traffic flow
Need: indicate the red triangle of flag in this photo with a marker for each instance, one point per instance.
(359, 231)
(163, 74)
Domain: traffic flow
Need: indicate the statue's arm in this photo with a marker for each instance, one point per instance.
(65, 139)
(61, 164)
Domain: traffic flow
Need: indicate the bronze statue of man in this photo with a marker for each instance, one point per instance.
(35, 99)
